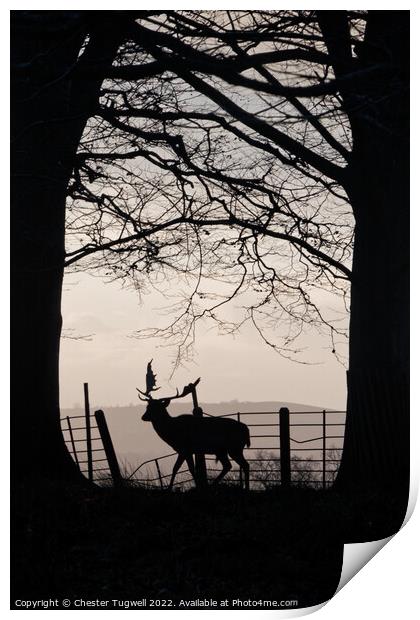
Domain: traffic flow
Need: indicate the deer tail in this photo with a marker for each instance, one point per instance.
(247, 438)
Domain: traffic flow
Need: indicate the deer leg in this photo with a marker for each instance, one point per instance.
(190, 463)
(223, 458)
(177, 465)
(239, 458)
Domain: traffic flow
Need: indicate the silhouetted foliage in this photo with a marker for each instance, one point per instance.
(305, 471)
(206, 182)
(103, 544)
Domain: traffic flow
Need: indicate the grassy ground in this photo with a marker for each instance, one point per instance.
(222, 544)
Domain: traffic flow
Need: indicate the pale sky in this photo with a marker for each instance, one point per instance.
(232, 368)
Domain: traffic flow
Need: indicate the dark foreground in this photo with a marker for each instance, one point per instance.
(131, 547)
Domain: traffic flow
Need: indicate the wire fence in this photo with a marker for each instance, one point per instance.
(310, 461)
(75, 436)
(276, 456)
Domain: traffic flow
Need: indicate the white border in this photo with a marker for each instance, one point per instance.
(388, 584)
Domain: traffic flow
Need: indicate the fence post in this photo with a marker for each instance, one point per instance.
(200, 459)
(284, 423)
(73, 445)
(88, 433)
(108, 447)
(240, 468)
(324, 447)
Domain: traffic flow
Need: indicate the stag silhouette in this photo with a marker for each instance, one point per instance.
(189, 435)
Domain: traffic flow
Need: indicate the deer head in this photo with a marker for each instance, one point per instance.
(159, 404)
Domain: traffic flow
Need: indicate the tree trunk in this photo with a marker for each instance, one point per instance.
(49, 111)
(376, 446)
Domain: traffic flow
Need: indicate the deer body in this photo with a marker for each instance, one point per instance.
(189, 435)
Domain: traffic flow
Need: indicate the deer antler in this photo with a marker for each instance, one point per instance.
(144, 394)
(187, 390)
(151, 386)
(150, 383)
(150, 379)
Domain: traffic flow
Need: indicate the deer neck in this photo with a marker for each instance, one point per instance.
(162, 424)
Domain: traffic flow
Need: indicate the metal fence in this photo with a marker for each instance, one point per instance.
(92, 461)
(89, 442)
(307, 461)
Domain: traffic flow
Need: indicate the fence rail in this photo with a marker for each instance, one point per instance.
(283, 468)
(89, 435)
(291, 461)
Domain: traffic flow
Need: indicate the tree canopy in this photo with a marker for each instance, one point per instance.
(218, 152)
